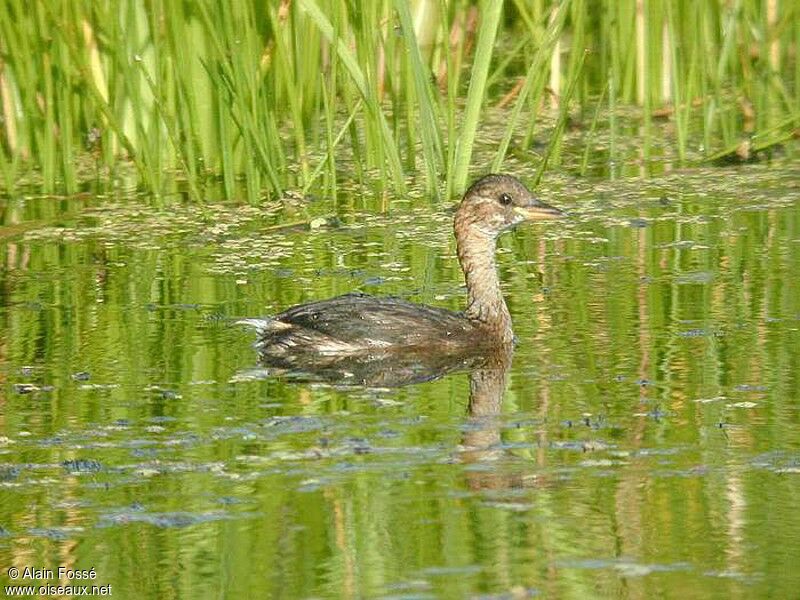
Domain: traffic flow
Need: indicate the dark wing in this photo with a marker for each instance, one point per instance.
(363, 321)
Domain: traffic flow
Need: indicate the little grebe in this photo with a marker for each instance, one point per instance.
(358, 324)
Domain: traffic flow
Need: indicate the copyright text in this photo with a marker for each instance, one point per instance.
(65, 582)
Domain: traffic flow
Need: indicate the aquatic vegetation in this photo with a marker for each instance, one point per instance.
(242, 100)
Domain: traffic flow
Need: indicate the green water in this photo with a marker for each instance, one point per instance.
(646, 442)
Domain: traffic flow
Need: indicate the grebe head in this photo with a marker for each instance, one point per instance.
(496, 203)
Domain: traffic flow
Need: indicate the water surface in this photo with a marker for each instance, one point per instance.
(644, 442)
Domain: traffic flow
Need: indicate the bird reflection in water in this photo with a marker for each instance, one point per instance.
(357, 339)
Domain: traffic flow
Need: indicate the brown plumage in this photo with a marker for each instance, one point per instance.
(356, 325)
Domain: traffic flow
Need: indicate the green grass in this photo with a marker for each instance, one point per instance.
(263, 98)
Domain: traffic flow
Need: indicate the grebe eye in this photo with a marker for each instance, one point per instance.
(505, 199)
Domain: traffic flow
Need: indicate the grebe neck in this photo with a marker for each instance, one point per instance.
(485, 303)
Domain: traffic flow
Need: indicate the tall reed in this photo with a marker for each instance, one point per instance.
(267, 97)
